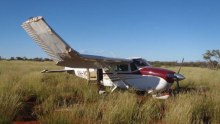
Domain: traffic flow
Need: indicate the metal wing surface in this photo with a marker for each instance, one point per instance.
(59, 51)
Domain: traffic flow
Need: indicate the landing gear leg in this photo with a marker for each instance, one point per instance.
(101, 88)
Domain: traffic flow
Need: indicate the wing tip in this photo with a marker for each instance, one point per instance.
(33, 19)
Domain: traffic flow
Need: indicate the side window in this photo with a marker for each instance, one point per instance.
(122, 68)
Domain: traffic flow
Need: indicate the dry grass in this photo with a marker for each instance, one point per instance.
(63, 98)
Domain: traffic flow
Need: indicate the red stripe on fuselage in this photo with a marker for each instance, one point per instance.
(160, 72)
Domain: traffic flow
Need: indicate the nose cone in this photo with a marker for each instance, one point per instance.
(179, 76)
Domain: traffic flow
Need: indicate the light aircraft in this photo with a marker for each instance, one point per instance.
(135, 73)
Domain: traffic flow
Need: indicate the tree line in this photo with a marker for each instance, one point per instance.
(154, 63)
(175, 63)
(211, 57)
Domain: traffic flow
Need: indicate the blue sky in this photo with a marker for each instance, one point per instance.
(165, 30)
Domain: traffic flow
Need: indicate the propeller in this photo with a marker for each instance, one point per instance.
(178, 76)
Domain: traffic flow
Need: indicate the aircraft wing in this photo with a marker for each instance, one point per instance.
(59, 51)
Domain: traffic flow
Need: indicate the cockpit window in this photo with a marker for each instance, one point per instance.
(117, 68)
(141, 63)
(121, 68)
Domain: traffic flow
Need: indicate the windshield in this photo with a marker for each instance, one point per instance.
(140, 63)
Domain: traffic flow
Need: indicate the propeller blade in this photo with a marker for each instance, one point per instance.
(180, 66)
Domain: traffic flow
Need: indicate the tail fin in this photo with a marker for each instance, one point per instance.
(48, 39)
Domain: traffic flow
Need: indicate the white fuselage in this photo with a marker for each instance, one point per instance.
(125, 81)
